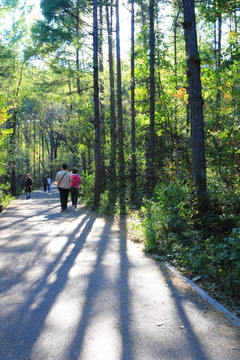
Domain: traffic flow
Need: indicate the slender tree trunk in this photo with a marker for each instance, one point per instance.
(20, 145)
(43, 158)
(102, 107)
(196, 103)
(27, 140)
(230, 21)
(39, 159)
(77, 49)
(84, 163)
(13, 162)
(236, 26)
(215, 45)
(34, 149)
(112, 98)
(219, 55)
(120, 117)
(175, 25)
(151, 162)
(142, 13)
(175, 54)
(89, 147)
(97, 188)
(51, 152)
(133, 132)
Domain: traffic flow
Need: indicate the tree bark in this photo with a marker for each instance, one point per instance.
(112, 97)
(142, 13)
(133, 135)
(151, 162)
(97, 188)
(195, 102)
(120, 118)
(219, 55)
(34, 148)
(101, 94)
(77, 48)
(43, 158)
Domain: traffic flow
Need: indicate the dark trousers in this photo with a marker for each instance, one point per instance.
(74, 196)
(63, 197)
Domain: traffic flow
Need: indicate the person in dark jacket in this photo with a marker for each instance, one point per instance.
(28, 186)
(45, 183)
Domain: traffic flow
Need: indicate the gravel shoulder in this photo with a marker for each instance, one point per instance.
(72, 287)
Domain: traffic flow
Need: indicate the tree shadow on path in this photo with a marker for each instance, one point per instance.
(87, 294)
(117, 301)
(22, 327)
(103, 288)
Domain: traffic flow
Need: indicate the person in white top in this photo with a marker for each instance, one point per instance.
(63, 179)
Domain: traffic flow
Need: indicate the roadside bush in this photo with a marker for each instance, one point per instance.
(108, 205)
(208, 246)
(169, 213)
(228, 262)
(86, 189)
(5, 197)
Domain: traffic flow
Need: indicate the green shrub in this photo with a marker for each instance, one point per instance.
(86, 189)
(108, 205)
(208, 246)
(169, 213)
(5, 196)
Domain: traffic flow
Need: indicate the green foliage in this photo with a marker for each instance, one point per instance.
(208, 246)
(217, 261)
(4, 136)
(86, 189)
(167, 213)
(5, 196)
(108, 204)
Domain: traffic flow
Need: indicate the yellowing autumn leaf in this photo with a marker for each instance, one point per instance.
(181, 93)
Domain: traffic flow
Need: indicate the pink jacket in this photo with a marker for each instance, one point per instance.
(76, 180)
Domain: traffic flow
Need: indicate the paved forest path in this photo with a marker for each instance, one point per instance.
(72, 287)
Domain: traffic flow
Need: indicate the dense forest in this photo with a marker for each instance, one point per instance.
(153, 128)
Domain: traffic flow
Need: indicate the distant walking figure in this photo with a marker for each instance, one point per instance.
(63, 179)
(28, 186)
(45, 183)
(76, 180)
(49, 183)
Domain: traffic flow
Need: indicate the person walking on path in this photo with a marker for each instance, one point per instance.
(28, 186)
(45, 183)
(63, 179)
(49, 183)
(76, 180)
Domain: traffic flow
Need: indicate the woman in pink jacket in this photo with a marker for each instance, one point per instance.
(76, 180)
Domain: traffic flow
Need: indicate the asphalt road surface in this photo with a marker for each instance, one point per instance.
(72, 287)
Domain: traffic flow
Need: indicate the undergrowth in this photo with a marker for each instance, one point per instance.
(5, 197)
(205, 248)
